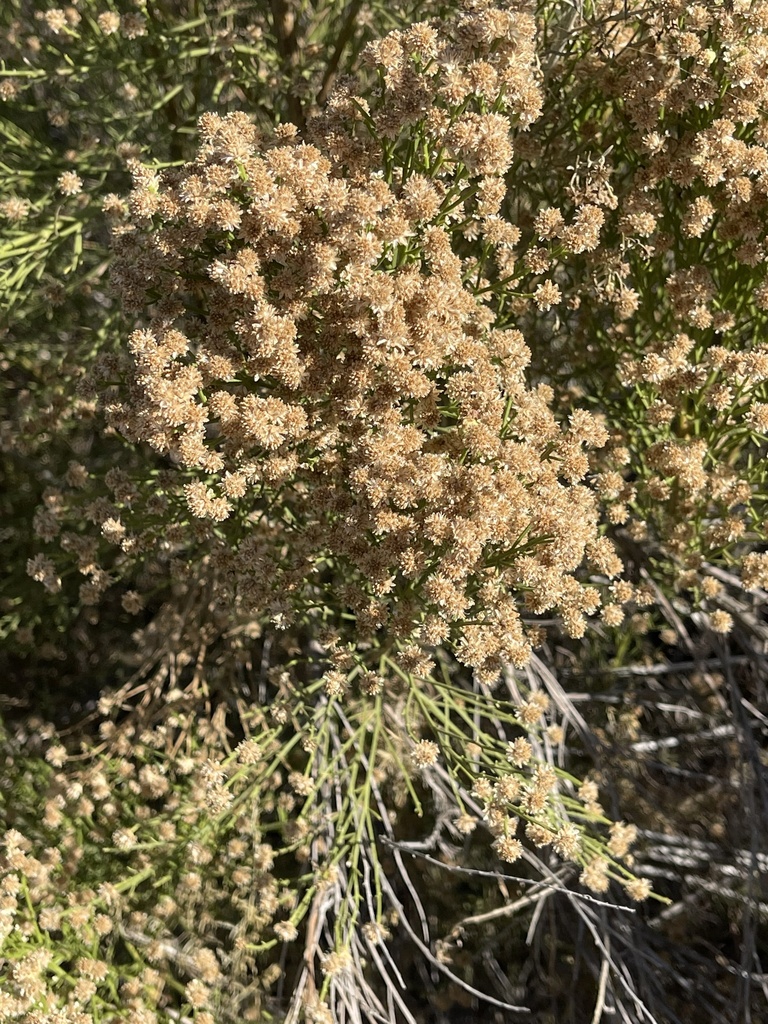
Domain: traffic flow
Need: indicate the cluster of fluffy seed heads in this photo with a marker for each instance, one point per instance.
(534, 798)
(321, 368)
(425, 754)
(703, 498)
(132, 800)
(670, 301)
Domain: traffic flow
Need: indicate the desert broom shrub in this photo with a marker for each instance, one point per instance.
(356, 450)
(84, 89)
(655, 128)
(385, 381)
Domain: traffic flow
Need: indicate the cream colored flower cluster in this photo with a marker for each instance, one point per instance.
(317, 361)
(657, 119)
